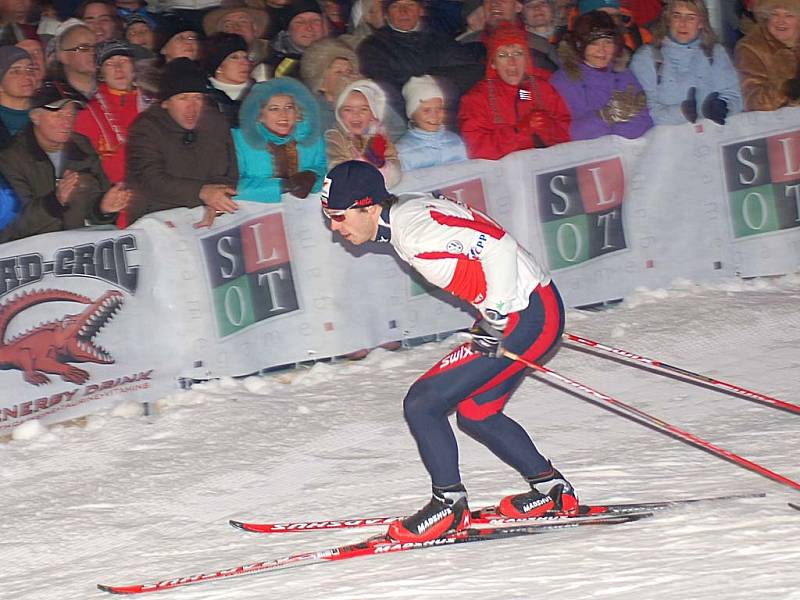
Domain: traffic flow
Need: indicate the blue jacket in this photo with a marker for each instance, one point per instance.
(684, 66)
(256, 181)
(419, 149)
(9, 203)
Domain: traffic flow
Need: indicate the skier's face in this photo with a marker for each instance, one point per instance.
(356, 225)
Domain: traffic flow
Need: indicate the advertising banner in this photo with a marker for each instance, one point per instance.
(72, 335)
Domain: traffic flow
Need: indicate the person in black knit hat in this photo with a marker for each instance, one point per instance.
(179, 38)
(305, 24)
(228, 67)
(180, 151)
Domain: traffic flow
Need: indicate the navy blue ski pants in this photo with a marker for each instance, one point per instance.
(479, 387)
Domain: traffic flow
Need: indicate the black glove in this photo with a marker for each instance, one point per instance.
(487, 337)
(715, 108)
(299, 184)
(689, 106)
(792, 88)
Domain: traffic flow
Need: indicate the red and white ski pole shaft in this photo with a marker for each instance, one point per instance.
(649, 420)
(699, 377)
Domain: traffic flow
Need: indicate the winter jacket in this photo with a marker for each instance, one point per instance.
(257, 180)
(493, 116)
(419, 149)
(5, 135)
(587, 90)
(30, 173)
(543, 53)
(666, 77)
(284, 59)
(106, 121)
(341, 146)
(462, 251)
(228, 99)
(9, 204)
(167, 164)
(392, 57)
(765, 65)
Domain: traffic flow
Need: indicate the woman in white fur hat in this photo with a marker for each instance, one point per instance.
(428, 143)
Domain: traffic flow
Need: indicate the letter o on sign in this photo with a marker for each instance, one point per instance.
(234, 303)
(754, 205)
(568, 239)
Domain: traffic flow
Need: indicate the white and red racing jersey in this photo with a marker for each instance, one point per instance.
(464, 252)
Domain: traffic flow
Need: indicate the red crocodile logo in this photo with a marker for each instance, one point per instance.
(48, 347)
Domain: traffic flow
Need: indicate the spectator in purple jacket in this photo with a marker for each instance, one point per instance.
(603, 95)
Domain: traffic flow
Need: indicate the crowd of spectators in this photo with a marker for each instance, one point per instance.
(112, 109)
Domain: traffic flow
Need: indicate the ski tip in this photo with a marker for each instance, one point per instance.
(114, 590)
(237, 524)
(793, 505)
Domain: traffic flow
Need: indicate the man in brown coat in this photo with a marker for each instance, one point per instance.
(180, 151)
(768, 59)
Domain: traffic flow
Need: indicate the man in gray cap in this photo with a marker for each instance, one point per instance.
(55, 172)
(17, 74)
(74, 45)
(180, 151)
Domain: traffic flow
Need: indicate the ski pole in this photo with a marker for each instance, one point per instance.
(698, 377)
(649, 420)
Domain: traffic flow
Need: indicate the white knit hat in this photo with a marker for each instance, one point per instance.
(419, 89)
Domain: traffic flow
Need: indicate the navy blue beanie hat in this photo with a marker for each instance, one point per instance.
(353, 184)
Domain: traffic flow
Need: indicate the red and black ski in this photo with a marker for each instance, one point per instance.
(373, 545)
(484, 516)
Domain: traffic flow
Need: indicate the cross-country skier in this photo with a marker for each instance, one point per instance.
(467, 254)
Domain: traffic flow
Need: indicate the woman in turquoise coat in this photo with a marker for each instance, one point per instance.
(278, 143)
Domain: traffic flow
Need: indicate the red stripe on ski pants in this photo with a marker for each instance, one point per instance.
(479, 387)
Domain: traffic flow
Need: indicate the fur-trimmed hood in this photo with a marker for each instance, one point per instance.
(306, 131)
(571, 61)
(319, 56)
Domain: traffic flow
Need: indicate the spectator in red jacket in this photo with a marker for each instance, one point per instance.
(109, 114)
(514, 107)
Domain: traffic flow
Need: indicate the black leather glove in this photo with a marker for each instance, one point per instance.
(792, 88)
(715, 108)
(487, 337)
(299, 184)
(689, 106)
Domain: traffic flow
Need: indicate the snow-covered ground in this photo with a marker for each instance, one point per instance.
(124, 498)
